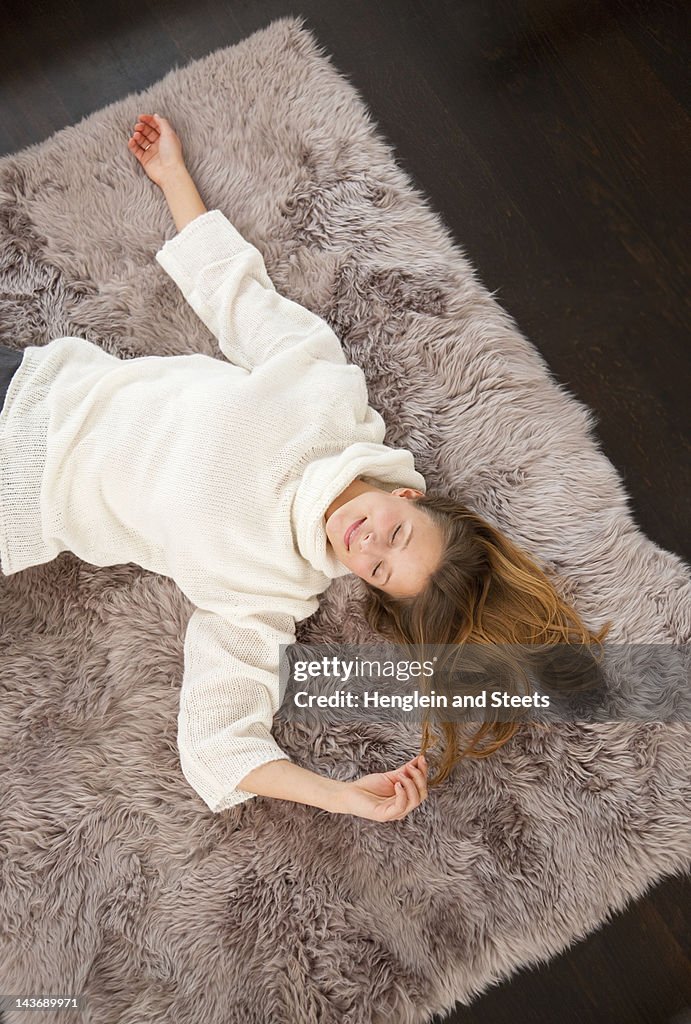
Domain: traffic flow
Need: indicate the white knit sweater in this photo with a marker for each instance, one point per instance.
(216, 474)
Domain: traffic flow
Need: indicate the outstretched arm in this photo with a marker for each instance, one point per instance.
(229, 696)
(223, 276)
(158, 149)
(384, 796)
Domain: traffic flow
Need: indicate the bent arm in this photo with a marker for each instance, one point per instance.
(229, 695)
(224, 279)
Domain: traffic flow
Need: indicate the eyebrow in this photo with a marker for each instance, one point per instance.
(403, 547)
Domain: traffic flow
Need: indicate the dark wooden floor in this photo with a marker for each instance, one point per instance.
(553, 138)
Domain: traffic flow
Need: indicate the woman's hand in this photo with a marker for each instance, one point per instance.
(159, 151)
(157, 148)
(385, 796)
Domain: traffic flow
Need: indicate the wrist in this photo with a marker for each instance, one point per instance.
(173, 177)
(332, 795)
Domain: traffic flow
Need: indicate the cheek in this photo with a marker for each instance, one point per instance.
(360, 566)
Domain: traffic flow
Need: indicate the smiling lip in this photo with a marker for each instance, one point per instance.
(350, 531)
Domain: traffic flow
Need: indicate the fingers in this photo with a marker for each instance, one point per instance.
(417, 768)
(418, 762)
(152, 121)
(410, 786)
(143, 131)
(418, 779)
(149, 128)
(135, 148)
(403, 800)
(401, 804)
(407, 798)
(156, 122)
(145, 134)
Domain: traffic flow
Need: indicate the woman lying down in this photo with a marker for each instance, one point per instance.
(253, 483)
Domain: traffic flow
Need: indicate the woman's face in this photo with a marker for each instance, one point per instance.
(385, 539)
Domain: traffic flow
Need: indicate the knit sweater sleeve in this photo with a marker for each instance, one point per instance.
(224, 279)
(229, 695)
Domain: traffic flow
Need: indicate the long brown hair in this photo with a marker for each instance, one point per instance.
(484, 591)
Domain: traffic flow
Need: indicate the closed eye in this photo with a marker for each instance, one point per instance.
(393, 537)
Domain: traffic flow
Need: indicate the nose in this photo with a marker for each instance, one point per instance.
(368, 541)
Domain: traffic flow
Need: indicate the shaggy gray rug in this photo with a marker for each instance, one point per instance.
(116, 881)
